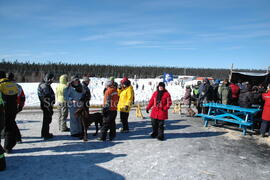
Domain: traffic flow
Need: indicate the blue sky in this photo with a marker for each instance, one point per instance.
(182, 33)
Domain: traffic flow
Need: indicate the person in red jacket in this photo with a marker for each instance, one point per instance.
(266, 113)
(235, 93)
(160, 104)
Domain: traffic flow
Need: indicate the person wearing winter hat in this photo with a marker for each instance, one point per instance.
(73, 95)
(62, 104)
(126, 99)
(215, 90)
(47, 99)
(225, 92)
(87, 94)
(21, 95)
(9, 91)
(205, 94)
(20, 104)
(160, 103)
(187, 97)
(235, 93)
(110, 79)
(109, 111)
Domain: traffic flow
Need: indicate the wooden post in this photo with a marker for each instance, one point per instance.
(230, 76)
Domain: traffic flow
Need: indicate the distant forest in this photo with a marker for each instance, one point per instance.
(34, 72)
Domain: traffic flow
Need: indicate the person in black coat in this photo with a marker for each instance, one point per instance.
(9, 92)
(87, 94)
(245, 97)
(47, 99)
(215, 91)
(206, 94)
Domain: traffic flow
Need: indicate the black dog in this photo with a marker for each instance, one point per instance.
(97, 118)
(87, 119)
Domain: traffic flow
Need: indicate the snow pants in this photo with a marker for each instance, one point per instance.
(109, 124)
(265, 126)
(63, 114)
(47, 119)
(158, 128)
(124, 120)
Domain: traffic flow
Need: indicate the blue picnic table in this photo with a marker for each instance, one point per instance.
(229, 113)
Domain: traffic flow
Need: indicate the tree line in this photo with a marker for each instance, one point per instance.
(34, 72)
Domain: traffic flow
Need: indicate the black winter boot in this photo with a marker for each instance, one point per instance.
(2, 159)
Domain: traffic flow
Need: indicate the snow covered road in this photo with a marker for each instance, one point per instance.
(189, 152)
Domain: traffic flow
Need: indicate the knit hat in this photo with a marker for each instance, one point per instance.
(48, 77)
(75, 78)
(109, 83)
(111, 78)
(124, 80)
(162, 84)
(86, 78)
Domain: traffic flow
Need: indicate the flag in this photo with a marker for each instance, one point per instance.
(167, 77)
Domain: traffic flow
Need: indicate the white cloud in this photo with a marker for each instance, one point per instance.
(265, 25)
(131, 43)
(128, 34)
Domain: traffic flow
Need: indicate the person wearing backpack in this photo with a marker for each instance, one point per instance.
(9, 91)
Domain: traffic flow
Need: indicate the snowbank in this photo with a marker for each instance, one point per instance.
(143, 90)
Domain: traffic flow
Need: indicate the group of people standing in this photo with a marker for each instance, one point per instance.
(239, 94)
(72, 95)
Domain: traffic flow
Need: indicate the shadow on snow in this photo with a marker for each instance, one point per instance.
(65, 166)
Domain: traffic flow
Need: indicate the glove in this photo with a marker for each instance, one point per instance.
(119, 86)
(126, 108)
(147, 111)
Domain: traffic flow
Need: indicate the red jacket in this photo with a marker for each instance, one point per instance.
(266, 108)
(235, 90)
(160, 111)
(21, 98)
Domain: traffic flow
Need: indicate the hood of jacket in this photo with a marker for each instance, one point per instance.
(48, 77)
(63, 79)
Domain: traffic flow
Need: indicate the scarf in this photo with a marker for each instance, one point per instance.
(78, 88)
(159, 96)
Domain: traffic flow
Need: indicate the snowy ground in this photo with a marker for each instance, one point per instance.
(143, 93)
(189, 152)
